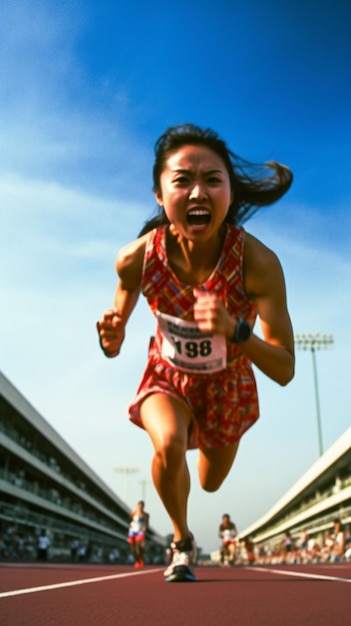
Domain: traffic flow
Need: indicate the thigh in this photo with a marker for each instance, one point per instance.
(214, 465)
(166, 419)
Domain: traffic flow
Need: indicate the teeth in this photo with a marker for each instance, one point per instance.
(198, 217)
(198, 212)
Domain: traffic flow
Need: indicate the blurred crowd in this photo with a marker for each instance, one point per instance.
(32, 545)
(334, 546)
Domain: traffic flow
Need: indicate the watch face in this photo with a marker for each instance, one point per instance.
(243, 330)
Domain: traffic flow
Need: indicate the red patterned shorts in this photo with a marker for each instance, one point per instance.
(224, 405)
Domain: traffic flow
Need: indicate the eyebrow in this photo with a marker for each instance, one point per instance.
(181, 170)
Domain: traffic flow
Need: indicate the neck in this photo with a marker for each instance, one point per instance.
(193, 262)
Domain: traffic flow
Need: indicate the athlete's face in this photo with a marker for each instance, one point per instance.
(195, 191)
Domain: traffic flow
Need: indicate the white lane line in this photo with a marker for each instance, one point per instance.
(72, 583)
(301, 574)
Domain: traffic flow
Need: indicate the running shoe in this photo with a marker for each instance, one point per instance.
(180, 570)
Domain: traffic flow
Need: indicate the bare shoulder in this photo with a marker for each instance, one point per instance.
(257, 253)
(262, 267)
(129, 262)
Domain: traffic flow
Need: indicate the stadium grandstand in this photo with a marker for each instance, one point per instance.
(46, 487)
(311, 506)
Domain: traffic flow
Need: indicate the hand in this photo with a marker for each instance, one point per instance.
(111, 332)
(211, 314)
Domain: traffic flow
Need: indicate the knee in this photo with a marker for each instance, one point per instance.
(210, 479)
(210, 484)
(170, 451)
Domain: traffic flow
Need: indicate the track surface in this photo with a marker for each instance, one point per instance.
(66, 595)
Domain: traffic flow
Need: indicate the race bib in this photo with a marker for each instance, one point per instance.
(228, 535)
(187, 348)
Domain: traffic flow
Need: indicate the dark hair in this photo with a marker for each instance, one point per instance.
(253, 185)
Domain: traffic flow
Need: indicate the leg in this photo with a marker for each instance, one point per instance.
(133, 549)
(214, 465)
(167, 422)
(231, 550)
(224, 553)
(141, 548)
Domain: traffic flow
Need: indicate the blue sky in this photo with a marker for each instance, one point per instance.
(86, 88)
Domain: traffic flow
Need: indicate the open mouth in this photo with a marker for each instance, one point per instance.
(198, 217)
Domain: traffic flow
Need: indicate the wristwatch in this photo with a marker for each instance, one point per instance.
(242, 331)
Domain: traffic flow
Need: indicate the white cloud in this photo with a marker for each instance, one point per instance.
(48, 219)
(56, 122)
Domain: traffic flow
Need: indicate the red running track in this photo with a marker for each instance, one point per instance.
(77, 595)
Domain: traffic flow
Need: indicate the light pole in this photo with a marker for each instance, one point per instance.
(143, 486)
(313, 343)
(126, 471)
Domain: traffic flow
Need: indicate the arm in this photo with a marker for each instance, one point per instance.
(111, 328)
(147, 520)
(339, 545)
(264, 283)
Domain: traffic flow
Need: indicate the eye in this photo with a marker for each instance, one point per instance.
(181, 180)
(214, 180)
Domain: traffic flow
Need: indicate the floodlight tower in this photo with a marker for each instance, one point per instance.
(126, 471)
(312, 342)
(143, 486)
